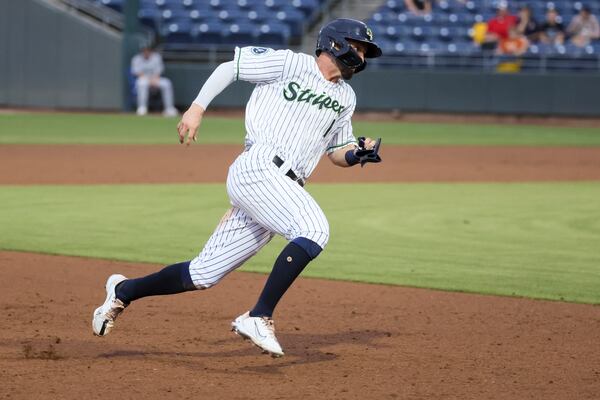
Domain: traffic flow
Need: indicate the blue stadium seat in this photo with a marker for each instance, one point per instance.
(407, 47)
(476, 6)
(465, 48)
(160, 3)
(148, 4)
(307, 7)
(386, 17)
(114, 4)
(178, 32)
(273, 34)
(150, 17)
(229, 16)
(450, 6)
(452, 33)
(171, 15)
(433, 46)
(239, 34)
(275, 4)
(294, 19)
(410, 19)
(258, 16)
(395, 5)
(208, 32)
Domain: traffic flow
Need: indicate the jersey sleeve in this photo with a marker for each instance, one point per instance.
(343, 136)
(259, 64)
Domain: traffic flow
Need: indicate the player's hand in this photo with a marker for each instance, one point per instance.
(369, 143)
(188, 126)
(368, 150)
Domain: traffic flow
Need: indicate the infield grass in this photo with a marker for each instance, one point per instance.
(130, 129)
(538, 240)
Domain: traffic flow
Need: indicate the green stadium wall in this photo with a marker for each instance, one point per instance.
(567, 94)
(52, 58)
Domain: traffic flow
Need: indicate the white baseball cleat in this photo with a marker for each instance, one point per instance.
(260, 330)
(142, 110)
(105, 315)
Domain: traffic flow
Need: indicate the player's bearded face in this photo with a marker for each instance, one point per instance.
(347, 73)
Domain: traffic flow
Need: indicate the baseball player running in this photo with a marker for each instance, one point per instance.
(300, 109)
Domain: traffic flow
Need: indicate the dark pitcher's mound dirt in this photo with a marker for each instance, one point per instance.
(343, 341)
(80, 164)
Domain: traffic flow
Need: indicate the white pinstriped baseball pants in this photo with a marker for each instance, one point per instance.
(264, 202)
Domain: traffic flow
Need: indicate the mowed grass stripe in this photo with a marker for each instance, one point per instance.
(130, 129)
(536, 240)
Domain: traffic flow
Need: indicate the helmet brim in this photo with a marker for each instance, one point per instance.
(373, 49)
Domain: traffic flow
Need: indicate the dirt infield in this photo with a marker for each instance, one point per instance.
(81, 164)
(343, 340)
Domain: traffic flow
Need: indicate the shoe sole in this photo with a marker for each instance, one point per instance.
(246, 337)
(103, 332)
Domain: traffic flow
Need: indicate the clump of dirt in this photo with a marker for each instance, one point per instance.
(48, 352)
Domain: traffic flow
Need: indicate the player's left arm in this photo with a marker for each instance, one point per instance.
(344, 156)
(345, 151)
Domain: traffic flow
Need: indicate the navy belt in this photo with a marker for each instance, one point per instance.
(290, 174)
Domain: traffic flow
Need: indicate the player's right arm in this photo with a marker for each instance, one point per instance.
(251, 64)
(221, 77)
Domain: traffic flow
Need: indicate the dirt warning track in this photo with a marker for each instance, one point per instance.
(89, 164)
(343, 341)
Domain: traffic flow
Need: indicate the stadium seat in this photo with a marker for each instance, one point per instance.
(178, 32)
(395, 5)
(173, 15)
(150, 18)
(114, 4)
(207, 33)
(307, 7)
(258, 16)
(273, 34)
(292, 18)
(239, 34)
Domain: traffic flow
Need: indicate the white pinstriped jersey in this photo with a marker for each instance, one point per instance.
(298, 115)
(293, 107)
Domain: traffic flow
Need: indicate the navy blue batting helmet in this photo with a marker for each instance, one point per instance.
(333, 39)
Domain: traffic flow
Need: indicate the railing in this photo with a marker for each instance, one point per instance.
(105, 15)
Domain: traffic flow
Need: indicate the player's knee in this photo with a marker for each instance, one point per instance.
(142, 83)
(202, 283)
(313, 249)
(202, 276)
(165, 83)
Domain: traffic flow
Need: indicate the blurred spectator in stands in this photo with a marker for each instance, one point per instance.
(418, 7)
(527, 25)
(515, 44)
(552, 31)
(148, 67)
(498, 26)
(584, 28)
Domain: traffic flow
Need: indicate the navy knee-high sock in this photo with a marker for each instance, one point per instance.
(170, 280)
(288, 266)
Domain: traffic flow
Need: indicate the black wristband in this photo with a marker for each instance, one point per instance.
(351, 158)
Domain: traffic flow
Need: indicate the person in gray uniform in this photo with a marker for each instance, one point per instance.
(147, 67)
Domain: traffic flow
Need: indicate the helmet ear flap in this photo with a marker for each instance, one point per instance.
(361, 67)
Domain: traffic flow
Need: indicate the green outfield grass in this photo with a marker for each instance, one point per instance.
(127, 128)
(537, 240)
